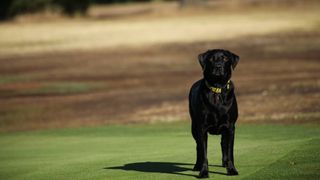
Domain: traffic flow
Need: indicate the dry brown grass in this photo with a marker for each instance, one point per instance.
(181, 27)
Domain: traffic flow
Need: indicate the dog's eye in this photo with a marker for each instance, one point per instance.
(225, 59)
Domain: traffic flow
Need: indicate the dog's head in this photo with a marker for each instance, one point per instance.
(217, 65)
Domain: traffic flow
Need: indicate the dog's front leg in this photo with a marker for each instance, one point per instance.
(230, 141)
(202, 161)
(202, 147)
(204, 171)
(224, 148)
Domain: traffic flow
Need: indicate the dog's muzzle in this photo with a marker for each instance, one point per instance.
(218, 70)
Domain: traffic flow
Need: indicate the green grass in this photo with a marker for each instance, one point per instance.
(157, 151)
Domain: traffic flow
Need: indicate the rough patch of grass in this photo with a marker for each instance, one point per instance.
(13, 78)
(305, 117)
(157, 151)
(52, 88)
(61, 88)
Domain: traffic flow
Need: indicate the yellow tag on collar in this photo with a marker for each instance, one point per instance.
(216, 90)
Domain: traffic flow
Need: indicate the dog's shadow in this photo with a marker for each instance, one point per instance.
(161, 167)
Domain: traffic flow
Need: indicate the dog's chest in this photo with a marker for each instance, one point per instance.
(216, 123)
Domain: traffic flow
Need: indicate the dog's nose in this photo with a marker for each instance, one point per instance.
(218, 64)
(218, 71)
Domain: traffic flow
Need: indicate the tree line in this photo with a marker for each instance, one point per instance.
(12, 8)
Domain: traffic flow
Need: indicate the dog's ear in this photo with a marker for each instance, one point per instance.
(235, 59)
(203, 59)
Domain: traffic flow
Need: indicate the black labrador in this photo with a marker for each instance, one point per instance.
(213, 108)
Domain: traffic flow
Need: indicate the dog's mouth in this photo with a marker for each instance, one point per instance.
(218, 72)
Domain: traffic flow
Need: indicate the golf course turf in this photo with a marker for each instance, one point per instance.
(157, 151)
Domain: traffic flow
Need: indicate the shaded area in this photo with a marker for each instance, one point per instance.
(161, 167)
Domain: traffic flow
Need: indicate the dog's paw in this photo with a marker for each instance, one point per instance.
(196, 167)
(203, 174)
(232, 172)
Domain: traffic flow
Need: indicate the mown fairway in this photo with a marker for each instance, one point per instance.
(157, 151)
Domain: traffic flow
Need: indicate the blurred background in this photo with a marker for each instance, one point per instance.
(68, 63)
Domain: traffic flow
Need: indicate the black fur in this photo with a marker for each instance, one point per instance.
(213, 112)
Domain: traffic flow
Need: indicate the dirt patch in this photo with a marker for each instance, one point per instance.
(150, 84)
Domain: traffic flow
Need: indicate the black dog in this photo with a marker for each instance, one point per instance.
(213, 108)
